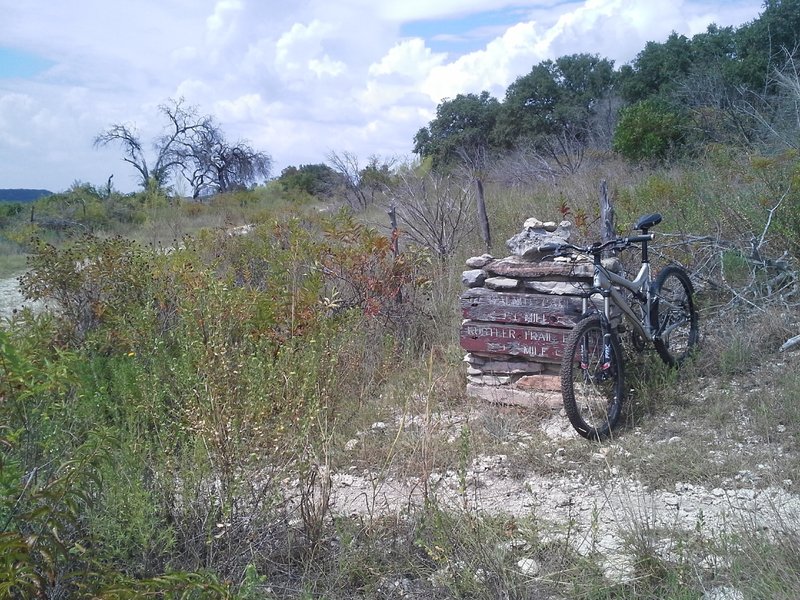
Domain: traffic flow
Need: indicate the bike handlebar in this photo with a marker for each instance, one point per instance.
(598, 247)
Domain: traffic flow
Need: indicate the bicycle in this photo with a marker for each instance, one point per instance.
(592, 374)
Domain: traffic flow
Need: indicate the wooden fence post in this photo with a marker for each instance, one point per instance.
(392, 212)
(607, 225)
(395, 245)
(483, 218)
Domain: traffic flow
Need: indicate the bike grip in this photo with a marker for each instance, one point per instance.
(635, 239)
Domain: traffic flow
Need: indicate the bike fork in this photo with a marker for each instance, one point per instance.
(604, 370)
(607, 351)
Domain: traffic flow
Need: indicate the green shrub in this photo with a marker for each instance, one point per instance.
(648, 130)
(90, 280)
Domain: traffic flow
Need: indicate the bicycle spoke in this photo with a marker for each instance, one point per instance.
(674, 316)
(592, 380)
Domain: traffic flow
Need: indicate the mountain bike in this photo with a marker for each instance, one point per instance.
(661, 312)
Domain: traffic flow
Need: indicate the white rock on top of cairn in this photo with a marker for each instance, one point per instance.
(535, 233)
(501, 283)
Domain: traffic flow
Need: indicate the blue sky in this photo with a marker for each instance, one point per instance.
(462, 34)
(20, 64)
(297, 79)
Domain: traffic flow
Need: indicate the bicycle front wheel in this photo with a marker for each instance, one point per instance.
(674, 316)
(592, 380)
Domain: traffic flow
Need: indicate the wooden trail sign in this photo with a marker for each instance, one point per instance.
(535, 343)
(481, 304)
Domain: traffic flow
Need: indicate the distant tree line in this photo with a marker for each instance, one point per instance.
(22, 195)
(736, 86)
(727, 85)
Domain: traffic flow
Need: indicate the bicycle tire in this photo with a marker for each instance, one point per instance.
(592, 379)
(674, 316)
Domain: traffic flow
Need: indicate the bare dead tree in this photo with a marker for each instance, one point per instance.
(714, 107)
(522, 167)
(738, 272)
(434, 211)
(777, 115)
(607, 216)
(210, 162)
(362, 186)
(182, 121)
(475, 161)
(604, 121)
(192, 145)
(565, 149)
(128, 137)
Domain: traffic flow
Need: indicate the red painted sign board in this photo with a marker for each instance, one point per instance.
(535, 343)
(480, 304)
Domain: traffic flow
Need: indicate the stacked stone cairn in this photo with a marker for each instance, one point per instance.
(518, 312)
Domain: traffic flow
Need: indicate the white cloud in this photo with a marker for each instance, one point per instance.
(409, 58)
(221, 23)
(13, 107)
(193, 88)
(411, 10)
(491, 69)
(326, 66)
(302, 44)
(248, 107)
(260, 55)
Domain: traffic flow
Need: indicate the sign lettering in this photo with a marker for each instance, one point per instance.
(515, 340)
(528, 309)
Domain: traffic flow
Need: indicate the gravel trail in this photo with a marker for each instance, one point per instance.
(10, 296)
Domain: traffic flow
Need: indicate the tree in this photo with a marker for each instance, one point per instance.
(314, 180)
(362, 186)
(552, 109)
(193, 146)
(434, 211)
(9, 210)
(762, 45)
(775, 117)
(182, 121)
(210, 163)
(657, 69)
(648, 130)
(709, 93)
(462, 133)
(462, 129)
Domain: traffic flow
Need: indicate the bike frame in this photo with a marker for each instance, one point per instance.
(603, 282)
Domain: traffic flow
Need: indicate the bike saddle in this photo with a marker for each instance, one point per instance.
(647, 221)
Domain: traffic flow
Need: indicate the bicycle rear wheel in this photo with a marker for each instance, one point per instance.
(674, 316)
(592, 379)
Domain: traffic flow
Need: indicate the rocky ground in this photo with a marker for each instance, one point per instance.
(586, 494)
(10, 297)
(599, 498)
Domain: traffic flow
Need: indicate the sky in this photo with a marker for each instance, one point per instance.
(296, 79)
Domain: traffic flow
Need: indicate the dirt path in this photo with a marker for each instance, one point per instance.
(10, 296)
(597, 515)
(594, 517)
